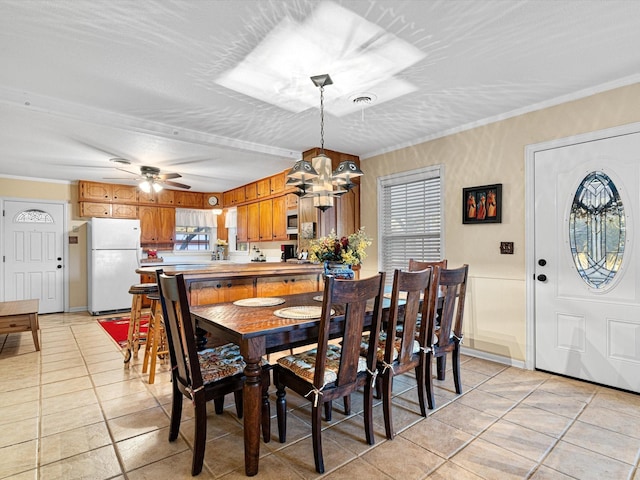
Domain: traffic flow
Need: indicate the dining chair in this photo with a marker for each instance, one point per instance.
(402, 350)
(445, 329)
(204, 375)
(415, 265)
(333, 371)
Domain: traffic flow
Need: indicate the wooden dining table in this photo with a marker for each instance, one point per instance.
(259, 331)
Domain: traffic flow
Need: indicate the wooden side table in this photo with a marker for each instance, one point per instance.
(20, 316)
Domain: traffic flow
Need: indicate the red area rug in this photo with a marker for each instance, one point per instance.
(118, 327)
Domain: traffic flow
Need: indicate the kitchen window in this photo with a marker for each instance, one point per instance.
(195, 230)
(410, 218)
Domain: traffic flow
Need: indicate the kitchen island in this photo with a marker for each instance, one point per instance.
(219, 282)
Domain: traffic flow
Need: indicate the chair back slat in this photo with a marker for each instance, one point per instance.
(352, 296)
(415, 285)
(180, 332)
(452, 283)
(415, 265)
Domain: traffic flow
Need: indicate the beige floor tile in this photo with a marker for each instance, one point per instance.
(581, 463)
(18, 432)
(437, 437)
(66, 386)
(18, 412)
(546, 473)
(18, 396)
(350, 434)
(570, 388)
(491, 461)
(612, 420)
(485, 367)
(115, 390)
(225, 454)
(97, 464)
(65, 373)
(464, 418)
(73, 442)
(69, 420)
(567, 406)
(603, 441)
(487, 402)
(538, 420)
(518, 439)
(68, 401)
(178, 465)
(450, 470)
(400, 458)
(148, 448)
(624, 402)
(18, 458)
(136, 402)
(358, 468)
(137, 423)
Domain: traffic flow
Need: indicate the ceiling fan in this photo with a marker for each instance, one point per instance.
(150, 178)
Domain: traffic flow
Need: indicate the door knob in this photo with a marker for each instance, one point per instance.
(542, 277)
(542, 262)
(59, 266)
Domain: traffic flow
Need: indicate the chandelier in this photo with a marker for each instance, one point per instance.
(315, 179)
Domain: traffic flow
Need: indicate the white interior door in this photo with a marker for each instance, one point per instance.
(587, 295)
(33, 249)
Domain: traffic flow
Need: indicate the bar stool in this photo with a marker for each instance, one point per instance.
(133, 336)
(156, 344)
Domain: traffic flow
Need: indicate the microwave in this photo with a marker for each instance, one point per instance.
(292, 222)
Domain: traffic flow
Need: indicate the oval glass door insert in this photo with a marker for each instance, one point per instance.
(597, 230)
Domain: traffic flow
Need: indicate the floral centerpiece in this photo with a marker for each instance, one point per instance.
(347, 251)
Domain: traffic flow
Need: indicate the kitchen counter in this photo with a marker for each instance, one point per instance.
(218, 282)
(231, 270)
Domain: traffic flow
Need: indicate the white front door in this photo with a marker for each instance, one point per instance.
(587, 285)
(33, 249)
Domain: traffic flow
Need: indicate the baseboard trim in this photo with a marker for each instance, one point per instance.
(492, 357)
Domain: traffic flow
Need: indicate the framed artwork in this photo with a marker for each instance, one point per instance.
(482, 204)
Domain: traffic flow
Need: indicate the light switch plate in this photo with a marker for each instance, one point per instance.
(506, 248)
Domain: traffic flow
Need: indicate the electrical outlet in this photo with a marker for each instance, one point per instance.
(506, 248)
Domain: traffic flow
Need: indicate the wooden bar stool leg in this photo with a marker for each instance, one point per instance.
(134, 328)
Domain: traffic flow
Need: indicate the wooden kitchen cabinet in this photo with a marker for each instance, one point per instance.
(125, 194)
(277, 183)
(292, 201)
(95, 191)
(253, 222)
(157, 225)
(251, 191)
(266, 220)
(221, 290)
(93, 209)
(263, 187)
(188, 199)
(287, 285)
(242, 224)
(163, 197)
(124, 211)
(279, 218)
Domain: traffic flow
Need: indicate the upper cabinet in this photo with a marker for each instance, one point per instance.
(163, 197)
(277, 183)
(188, 199)
(95, 192)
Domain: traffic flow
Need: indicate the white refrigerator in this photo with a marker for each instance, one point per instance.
(113, 257)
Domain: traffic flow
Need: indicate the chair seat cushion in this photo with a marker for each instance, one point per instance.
(382, 340)
(304, 364)
(221, 362)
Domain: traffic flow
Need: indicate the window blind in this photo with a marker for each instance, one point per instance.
(411, 218)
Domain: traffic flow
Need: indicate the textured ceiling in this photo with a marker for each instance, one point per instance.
(83, 81)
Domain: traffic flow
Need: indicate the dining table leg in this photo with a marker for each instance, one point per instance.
(252, 350)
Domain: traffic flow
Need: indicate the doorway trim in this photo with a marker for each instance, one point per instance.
(65, 242)
(529, 224)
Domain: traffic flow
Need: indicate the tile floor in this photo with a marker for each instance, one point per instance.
(73, 411)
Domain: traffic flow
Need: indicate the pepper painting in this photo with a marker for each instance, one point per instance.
(482, 204)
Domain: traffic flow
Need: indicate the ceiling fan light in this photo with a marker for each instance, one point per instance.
(156, 187)
(145, 186)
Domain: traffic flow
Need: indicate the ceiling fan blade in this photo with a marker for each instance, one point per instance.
(127, 171)
(177, 185)
(168, 176)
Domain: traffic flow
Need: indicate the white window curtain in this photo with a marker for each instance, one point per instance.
(189, 217)
(410, 218)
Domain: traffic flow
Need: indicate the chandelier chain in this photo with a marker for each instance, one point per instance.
(322, 118)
